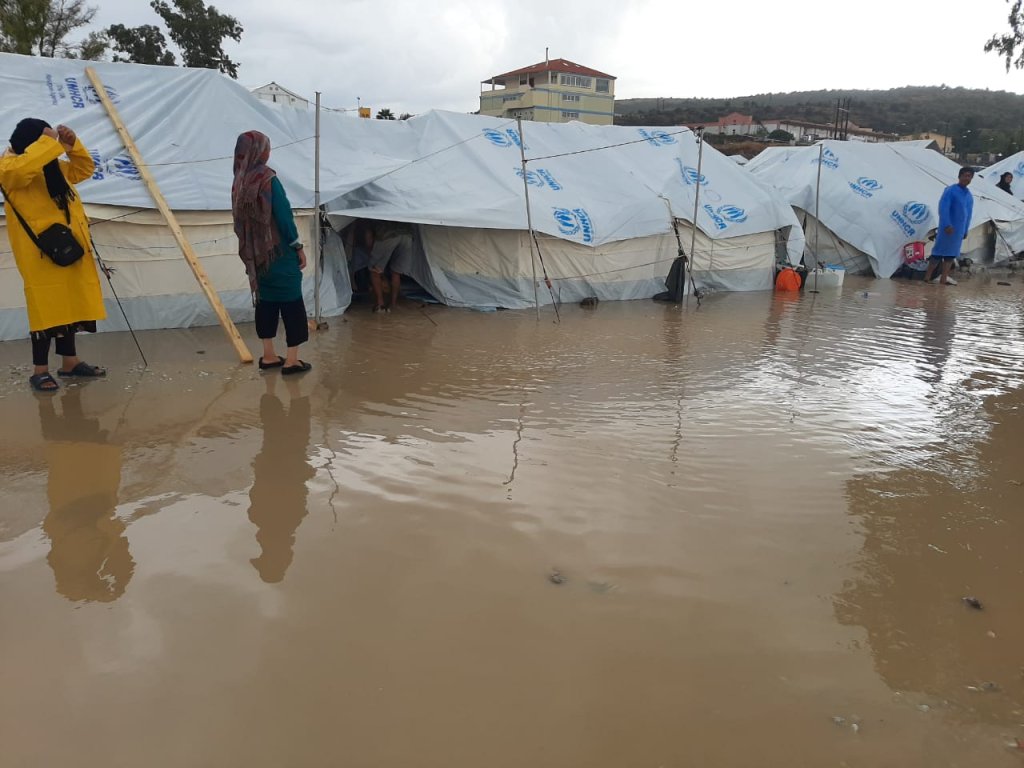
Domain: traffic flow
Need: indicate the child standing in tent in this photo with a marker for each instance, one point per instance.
(270, 248)
(38, 190)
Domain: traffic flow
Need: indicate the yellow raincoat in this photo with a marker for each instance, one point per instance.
(55, 296)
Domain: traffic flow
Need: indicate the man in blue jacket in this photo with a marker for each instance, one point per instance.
(955, 209)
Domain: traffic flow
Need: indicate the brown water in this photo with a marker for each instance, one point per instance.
(765, 511)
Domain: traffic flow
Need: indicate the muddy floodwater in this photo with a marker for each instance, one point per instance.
(645, 536)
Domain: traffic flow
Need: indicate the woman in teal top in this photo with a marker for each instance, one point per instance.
(270, 248)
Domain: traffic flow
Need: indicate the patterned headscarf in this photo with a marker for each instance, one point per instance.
(251, 206)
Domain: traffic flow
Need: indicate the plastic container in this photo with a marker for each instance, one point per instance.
(829, 276)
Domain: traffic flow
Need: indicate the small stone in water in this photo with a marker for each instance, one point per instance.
(973, 602)
(556, 577)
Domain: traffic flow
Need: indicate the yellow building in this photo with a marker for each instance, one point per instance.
(555, 91)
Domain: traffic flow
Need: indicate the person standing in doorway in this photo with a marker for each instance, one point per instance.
(270, 248)
(390, 246)
(39, 192)
(956, 206)
(1005, 180)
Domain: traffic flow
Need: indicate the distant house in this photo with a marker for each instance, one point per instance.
(280, 95)
(554, 91)
(738, 124)
(942, 143)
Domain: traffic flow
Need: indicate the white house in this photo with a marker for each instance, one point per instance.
(280, 95)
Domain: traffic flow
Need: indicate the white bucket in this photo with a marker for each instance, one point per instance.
(825, 277)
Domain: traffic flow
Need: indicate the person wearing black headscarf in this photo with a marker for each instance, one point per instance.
(1004, 182)
(60, 300)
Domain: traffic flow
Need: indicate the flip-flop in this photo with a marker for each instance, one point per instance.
(40, 380)
(302, 367)
(85, 371)
(266, 366)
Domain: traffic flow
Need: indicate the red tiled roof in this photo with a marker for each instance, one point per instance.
(554, 65)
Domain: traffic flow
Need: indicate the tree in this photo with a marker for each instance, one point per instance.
(141, 45)
(780, 135)
(385, 114)
(92, 48)
(1010, 43)
(199, 31)
(41, 27)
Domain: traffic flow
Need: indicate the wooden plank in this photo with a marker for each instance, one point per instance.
(244, 355)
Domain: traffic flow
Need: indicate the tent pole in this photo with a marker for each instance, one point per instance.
(529, 216)
(317, 249)
(817, 213)
(696, 203)
(244, 355)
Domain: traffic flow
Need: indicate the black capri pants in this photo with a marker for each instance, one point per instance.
(292, 313)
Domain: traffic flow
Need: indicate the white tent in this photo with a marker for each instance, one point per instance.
(1013, 164)
(185, 122)
(603, 201)
(876, 198)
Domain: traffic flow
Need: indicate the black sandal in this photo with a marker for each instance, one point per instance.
(302, 367)
(83, 370)
(43, 382)
(267, 366)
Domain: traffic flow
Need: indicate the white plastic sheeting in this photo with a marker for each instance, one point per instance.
(593, 187)
(153, 281)
(185, 122)
(879, 197)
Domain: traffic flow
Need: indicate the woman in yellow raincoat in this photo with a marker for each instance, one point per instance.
(61, 300)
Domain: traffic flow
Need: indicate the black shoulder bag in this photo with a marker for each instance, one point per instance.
(56, 241)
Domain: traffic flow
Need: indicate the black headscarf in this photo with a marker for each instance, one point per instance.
(25, 134)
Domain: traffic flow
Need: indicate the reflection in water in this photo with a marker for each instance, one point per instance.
(88, 547)
(281, 471)
(928, 542)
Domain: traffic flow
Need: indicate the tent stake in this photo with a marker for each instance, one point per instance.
(244, 355)
(529, 216)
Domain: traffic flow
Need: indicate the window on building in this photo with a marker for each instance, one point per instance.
(553, 78)
(575, 81)
(570, 115)
(523, 79)
(513, 97)
(603, 86)
(570, 97)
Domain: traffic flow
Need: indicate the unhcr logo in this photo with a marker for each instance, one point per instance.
(540, 178)
(506, 138)
(76, 92)
(913, 213)
(725, 215)
(120, 166)
(829, 159)
(732, 213)
(690, 176)
(865, 187)
(1020, 168)
(657, 138)
(574, 223)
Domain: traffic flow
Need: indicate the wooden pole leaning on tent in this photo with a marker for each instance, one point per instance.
(244, 355)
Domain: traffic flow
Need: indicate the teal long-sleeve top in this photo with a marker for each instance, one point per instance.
(283, 279)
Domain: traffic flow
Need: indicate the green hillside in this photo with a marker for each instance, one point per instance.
(980, 120)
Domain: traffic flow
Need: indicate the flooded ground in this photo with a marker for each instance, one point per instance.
(763, 515)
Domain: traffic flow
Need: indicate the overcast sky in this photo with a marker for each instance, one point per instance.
(411, 55)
